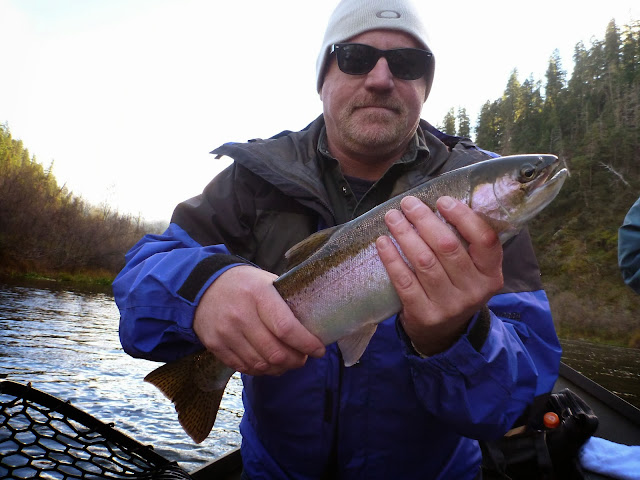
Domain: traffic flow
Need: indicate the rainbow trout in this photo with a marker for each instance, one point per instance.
(338, 287)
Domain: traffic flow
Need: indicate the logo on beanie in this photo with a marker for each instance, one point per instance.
(388, 14)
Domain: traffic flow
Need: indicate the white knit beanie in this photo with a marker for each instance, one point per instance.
(353, 17)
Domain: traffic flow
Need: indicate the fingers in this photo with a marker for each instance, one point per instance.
(283, 325)
(425, 272)
(243, 320)
(441, 279)
(439, 258)
(484, 249)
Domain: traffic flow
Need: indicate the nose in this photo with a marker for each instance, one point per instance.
(380, 77)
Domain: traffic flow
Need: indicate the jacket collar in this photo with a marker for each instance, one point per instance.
(289, 161)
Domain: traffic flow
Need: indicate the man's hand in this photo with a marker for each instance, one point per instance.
(449, 283)
(245, 322)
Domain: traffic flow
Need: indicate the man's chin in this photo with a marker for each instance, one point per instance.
(377, 137)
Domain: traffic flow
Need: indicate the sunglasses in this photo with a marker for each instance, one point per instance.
(404, 63)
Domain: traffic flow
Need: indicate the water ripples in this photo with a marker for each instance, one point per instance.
(66, 344)
(615, 368)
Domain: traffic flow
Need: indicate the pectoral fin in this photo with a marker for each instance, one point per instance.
(354, 345)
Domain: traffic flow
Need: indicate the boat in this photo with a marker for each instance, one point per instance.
(619, 421)
(26, 412)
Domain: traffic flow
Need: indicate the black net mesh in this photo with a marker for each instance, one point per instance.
(43, 437)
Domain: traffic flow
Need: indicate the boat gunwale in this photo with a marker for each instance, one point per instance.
(615, 402)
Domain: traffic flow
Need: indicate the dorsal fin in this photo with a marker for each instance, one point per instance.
(304, 249)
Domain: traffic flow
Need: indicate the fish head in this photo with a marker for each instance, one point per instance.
(510, 191)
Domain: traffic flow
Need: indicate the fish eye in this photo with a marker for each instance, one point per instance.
(528, 172)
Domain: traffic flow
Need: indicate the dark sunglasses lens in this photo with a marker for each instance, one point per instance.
(356, 59)
(404, 63)
(408, 63)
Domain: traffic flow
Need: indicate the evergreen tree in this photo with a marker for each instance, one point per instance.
(449, 126)
(555, 80)
(464, 124)
(489, 129)
(530, 134)
(511, 110)
(612, 43)
(553, 103)
(630, 53)
(577, 106)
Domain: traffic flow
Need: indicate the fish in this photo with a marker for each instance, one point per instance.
(337, 286)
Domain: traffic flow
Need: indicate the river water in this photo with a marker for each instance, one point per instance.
(66, 343)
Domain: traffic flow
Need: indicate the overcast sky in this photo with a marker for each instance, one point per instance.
(127, 97)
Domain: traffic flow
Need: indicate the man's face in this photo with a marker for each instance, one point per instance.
(374, 114)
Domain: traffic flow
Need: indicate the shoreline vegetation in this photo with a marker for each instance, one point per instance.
(590, 119)
(96, 282)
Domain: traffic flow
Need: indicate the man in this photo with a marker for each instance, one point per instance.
(443, 372)
(629, 247)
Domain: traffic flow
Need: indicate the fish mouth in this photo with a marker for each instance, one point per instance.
(554, 172)
(544, 189)
(560, 176)
(553, 178)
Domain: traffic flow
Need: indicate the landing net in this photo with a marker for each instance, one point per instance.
(43, 437)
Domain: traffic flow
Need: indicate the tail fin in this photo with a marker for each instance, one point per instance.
(195, 402)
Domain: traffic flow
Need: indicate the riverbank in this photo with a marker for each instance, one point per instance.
(90, 281)
(602, 316)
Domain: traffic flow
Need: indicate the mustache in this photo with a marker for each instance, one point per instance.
(376, 101)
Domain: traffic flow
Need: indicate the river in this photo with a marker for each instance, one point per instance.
(66, 343)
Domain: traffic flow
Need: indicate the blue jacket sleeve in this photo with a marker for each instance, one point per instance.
(159, 289)
(483, 391)
(629, 247)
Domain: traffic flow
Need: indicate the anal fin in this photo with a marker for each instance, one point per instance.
(354, 345)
